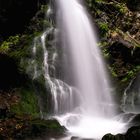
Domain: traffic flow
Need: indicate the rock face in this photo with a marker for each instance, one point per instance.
(119, 31)
(133, 5)
(9, 73)
(15, 15)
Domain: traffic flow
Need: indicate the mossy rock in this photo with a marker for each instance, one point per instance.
(25, 127)
(28, 103)
(40, 129)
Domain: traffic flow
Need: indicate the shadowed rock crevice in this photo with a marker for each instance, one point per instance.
(15, 15)
(10, 76)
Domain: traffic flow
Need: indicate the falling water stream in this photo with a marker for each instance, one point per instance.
(82, 99)
(93, 115)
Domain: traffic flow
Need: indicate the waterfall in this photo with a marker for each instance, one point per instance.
(81, 97)
(84, 61)
(85, 70)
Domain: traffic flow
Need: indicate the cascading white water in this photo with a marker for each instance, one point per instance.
(89, 74)
(92, 116)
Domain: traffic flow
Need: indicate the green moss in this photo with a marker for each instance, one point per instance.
(51, 125)
(28, 104)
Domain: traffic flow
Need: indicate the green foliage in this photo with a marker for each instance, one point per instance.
(17, 46)
(103, 28)
(132, 73)
(129, 75)
(9, 44)
(103, 45)
(121, 8)
(113, 72)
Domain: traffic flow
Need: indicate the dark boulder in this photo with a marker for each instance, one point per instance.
(114, 137)
(133, 133)
(135, 120)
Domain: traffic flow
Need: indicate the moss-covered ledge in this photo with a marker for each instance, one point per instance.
(24, 127)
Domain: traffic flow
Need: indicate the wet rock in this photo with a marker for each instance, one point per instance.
(113, 137)
(133, 133)
(136, 120)
(78, 138)
(75, 138)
